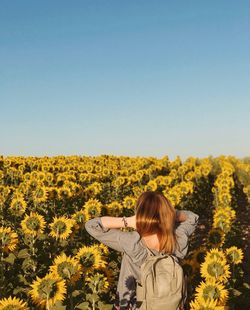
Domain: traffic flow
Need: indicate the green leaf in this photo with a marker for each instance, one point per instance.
(58, 306)
(23, 280)
(28, 264)
(10, 259)
(92, 297)
(23, 253)
(76, 293)
(105, 306)
(83, 306)
(20, 290)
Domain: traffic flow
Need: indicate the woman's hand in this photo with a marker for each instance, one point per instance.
(180, 216)
(131, 221)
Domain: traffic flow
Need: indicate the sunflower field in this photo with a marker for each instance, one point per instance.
(49, 261)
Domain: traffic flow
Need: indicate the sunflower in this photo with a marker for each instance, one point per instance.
(61, 178)
(98, 169)
(224, 197)
(17, 193)
(119, 181)
(199, 255)
(40, 194)
(212, 290)
(33, 224)
(13, 303)
(61, 227)
(98, 282)
(89, 168)
(66, 267)
(132, 179)
(8, 239)
(104, 249)
(205, 169)
(64, 192)
(41, 176)
(90, 258)
(216, 237)
(26, 176)
(49, 178)
(234, 255)
(34, 183)
(216, 254)
(188, 267)
(139, 174)
(137, 191)
(46, 167)
(23, 188)
(202, 304)
(105, 172)
(48, 290)
(80, 219)
(129, 202)
(226, 211)
(216, 269)
(151, 186)
(173, 196)
(92, 208)
(109, 273)
(93, 189)
(18, 205)
(6, 163)
(114, 208)
(34, 174)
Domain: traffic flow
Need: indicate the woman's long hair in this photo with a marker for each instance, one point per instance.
(155, 214)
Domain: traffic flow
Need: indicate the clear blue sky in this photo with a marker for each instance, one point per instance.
(136, 78)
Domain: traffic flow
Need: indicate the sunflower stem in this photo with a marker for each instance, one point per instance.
(47, 302)
(233, 276)
(70, 298)
(2, 270)
(93, 304)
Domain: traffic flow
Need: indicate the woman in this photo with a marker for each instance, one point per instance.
(157, 225)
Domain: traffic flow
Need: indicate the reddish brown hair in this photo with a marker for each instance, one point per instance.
(155, 214)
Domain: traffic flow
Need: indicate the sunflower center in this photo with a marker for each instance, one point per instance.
(200, 257)
(80, 218)
(233, 256)
(87, 260)
(60, 226)
(18, 206)
(33, 223)
(48, 288)
(39, 193)
(5, 238)
(215, 237)
(211, 292)
(92, 210)
(215, 269)
(65, 270)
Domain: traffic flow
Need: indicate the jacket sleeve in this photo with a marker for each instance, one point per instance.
(108, 236)
(188, 226)
(184, 230)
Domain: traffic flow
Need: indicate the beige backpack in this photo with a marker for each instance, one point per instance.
(162, 285)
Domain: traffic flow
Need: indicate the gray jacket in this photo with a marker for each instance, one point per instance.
(134, 253)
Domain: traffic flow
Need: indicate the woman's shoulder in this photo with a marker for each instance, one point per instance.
(130, 241)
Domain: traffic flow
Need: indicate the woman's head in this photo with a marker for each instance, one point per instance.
(155, 214)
